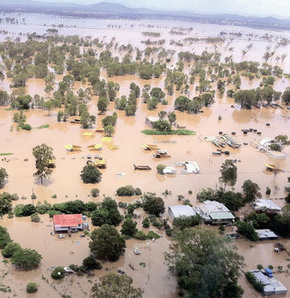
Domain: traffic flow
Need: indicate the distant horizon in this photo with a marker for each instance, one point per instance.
(259, 8)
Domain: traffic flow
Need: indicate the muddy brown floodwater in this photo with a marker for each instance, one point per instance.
(154, 278)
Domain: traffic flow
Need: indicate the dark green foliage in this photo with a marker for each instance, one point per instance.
(259, 220)
(228, 172)
(3, 177)
(162, 125)
(232, 200)
(128, 191)
(58, 273)
(31, 287)
(152, 204)
(107, 213)
(286, 96)
(146, 222)
(91, 263)
(183, 222)
(71, 207)
(140, 235)
(90, 174)
(26, 259)
(247, 230)
(256, 284)
(10, 249)
(4, 237)
(106, 243)
(5, 203)
(24, 210)
(192, 255)
(129, 227)
(95, 192)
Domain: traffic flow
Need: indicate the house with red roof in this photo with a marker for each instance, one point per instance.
(68, 222)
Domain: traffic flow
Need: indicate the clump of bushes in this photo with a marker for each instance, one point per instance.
(91, 263)
(58, 273)
(31, 288)
(128, 191)
(95, 192)
(183, 222)
(247, 230)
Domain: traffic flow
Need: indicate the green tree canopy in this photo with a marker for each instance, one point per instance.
(43, 154)
(206, 264)
(114, 285)
(3, 176)
(152, 204)
(106, 243)
(26, 259)
(90, 174)
(228, 172)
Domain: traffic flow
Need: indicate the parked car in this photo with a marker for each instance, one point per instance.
(268, 272)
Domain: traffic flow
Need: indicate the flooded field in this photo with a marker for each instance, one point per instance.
(65, 181)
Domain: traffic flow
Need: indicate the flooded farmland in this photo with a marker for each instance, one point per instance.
(154, 279)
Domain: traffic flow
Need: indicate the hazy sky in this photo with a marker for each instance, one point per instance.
(247, 7)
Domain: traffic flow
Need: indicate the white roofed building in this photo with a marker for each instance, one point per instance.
(180, 210)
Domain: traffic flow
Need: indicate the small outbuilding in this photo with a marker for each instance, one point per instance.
(151, 120)
(180, 211)
(68, 223)
(265, 205)
(265, 234)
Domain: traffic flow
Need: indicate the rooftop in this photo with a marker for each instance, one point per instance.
(272, 285)
(67, 220)
(266, 234)
(214, 206)
(266, 204)
(181, 210)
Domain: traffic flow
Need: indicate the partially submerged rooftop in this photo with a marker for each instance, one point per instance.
(264, 234)
(266, 205)
(272, 286)
(180, 210)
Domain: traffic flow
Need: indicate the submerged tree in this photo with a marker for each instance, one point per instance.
(114, 285)
(206, 264)
(228, 172)
(43, 155)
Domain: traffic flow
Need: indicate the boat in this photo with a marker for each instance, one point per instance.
(113, 147)
(149, 147)
(99, 130)
(51, 163)
(142, 168)
(216, 153)
(100, 163)
(88, 134)
(95, 147)
(271, 167)
(71, 148)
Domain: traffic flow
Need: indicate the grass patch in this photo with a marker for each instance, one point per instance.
(43, 126)
(6, 153)
(177, 132)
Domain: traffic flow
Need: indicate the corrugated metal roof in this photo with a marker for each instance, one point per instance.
(181, 210)
(67, 220)
(221, 215)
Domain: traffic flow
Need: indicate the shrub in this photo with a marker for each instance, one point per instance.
(91, 263)
(183, 222)
(127, 191)
(95, 192)
(247, 230)
(4, 237)
(35, 217)
(146, 223)
(152, 204)
(26, 259)
(58, 273)
(26, 126)
(152, 235)
(140, 235)
(160, 168)
(31, 287)
(10, 249)
(129, 227)
(90, 174)
(268, 191)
